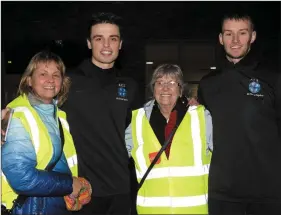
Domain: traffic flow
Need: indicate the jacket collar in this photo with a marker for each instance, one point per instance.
(89, 69)
(245, 65)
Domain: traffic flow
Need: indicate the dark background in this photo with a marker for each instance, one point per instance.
(28, 27)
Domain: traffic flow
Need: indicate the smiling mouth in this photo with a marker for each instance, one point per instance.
(106, 52)
(236, 47)
(49, 88)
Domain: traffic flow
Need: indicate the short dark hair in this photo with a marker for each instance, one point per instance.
(237, 17)
(104, 17)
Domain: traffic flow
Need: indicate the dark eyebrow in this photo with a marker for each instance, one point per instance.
(96, 36)
(243, 29)
(102, 36)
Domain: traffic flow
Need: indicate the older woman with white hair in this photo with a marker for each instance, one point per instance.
(174, 182)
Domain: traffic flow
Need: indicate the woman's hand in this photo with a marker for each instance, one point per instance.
(76, 186)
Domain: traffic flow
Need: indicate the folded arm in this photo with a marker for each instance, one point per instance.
(19, 166)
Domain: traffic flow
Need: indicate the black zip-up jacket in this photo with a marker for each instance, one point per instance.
(245, 103)
(96, 110)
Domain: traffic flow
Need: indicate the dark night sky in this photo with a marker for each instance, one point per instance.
(27, 27)
(24, 23)
(145, 19)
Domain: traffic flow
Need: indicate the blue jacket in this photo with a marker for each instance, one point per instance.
(46, 189)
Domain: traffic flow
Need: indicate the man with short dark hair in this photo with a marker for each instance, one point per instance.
(97, 108)
(244, 98)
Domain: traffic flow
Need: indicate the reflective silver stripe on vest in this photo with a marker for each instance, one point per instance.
(196, 138)
(176, 172)
(139, 152)
(64, 123)
(176, 202)
(162, 172)
(72, 161)
(32, 124)
(35, 132)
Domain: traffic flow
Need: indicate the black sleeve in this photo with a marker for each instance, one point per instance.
(136, 101)
(200, 95)
(278, 102)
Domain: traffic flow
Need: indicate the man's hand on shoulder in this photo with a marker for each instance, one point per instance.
(193, 101)
(3, 132)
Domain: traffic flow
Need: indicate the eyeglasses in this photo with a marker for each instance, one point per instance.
(170, 84)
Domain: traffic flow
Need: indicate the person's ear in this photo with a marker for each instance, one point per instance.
(254, 36)
(220, 39)
(120, 46)
(29, 81)
(89, 44)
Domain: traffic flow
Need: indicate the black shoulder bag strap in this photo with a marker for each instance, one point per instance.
(20, 200)
(164, 146)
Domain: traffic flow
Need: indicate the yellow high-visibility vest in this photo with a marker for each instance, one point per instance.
(41, 141)
(178, 185)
